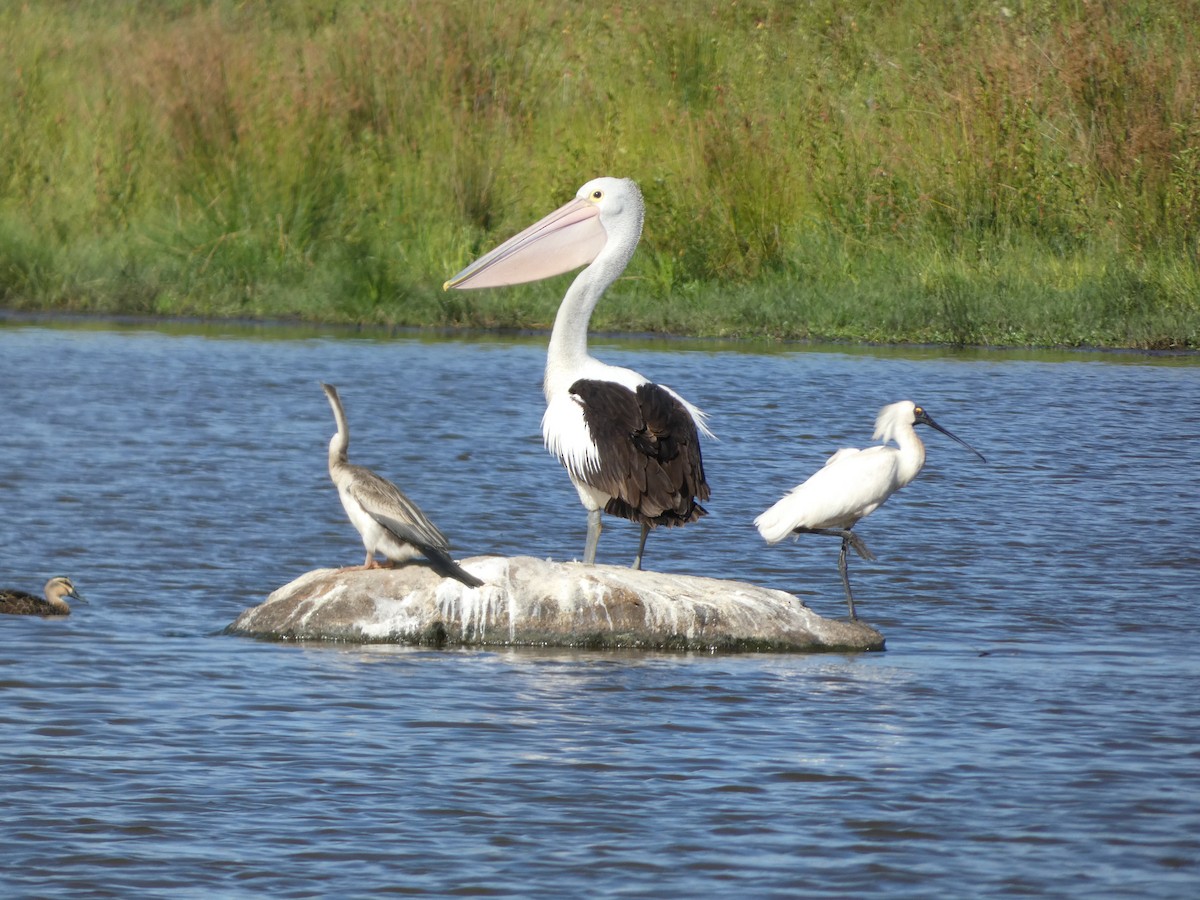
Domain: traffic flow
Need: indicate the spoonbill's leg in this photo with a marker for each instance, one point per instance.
(859, 546)
(846, 540)
(845, 534)
(849, 539)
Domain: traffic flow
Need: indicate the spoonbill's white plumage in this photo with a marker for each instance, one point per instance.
(56, 590)
(389, 523)
(854, 483)
(630, 446)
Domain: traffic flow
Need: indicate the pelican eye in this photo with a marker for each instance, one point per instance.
(597, 194)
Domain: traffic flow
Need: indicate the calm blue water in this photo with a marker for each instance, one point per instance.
(1032, 730)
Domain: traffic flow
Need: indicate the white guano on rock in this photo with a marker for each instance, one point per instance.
(532, 602)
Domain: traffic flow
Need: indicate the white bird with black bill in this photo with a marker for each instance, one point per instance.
(853, 484)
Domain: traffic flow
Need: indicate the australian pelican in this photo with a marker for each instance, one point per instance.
(630, 446)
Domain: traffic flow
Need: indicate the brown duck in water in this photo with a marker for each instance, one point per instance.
(57, 589)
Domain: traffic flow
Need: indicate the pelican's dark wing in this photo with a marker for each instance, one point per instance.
(649, 452)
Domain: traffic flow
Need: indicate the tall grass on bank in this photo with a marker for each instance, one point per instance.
(1025, 173)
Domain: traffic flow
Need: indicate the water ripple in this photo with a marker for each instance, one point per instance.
(1029, 731)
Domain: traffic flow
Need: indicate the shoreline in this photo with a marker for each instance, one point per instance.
(305, 328)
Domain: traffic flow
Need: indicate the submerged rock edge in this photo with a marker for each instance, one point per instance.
(539, 603)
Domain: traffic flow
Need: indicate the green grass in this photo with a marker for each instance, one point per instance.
(973, 173)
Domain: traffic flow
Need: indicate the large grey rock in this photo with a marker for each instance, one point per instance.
(535, 602)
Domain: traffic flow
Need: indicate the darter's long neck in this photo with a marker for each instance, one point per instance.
(339, 444)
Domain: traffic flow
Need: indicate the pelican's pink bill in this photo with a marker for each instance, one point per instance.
(568, 238)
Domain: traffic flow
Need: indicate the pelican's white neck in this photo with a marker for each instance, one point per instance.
(567, 356)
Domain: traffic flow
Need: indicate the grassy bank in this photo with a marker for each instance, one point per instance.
(1026, 173)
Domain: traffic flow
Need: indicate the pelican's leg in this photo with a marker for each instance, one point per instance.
(637, 560)
(847, 537)
(593, 537)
